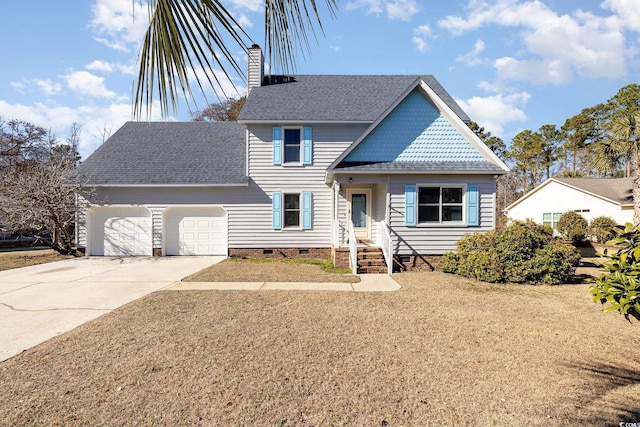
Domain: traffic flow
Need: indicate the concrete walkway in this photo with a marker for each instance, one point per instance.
(368, 283)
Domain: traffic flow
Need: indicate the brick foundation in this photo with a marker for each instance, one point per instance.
(401, 263)
(315, 253)
(157, 251)
(416, 262)
(340, 257)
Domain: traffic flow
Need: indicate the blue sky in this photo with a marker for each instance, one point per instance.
(511, 64)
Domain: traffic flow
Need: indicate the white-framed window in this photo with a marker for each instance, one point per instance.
(441, 204)
(292, 145)
(550, 219)
(291, 210)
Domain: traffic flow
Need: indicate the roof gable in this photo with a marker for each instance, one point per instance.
(614, 190)
(415, 131)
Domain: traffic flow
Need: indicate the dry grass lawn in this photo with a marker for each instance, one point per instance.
(271, 270)
(20, 258)
(442, 351)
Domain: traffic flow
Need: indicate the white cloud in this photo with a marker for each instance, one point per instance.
(85, 83)
(252, 5)
(395, 9)
(550, 71)
(109, 67)
(120, 24)
(372, 6)
(495, 111)
(556, 46)
(627, 11)
(403, 10)
(99, 65)
(95, 121)
(421, 36)
(19, 86)
(46, 86)
(471, 58)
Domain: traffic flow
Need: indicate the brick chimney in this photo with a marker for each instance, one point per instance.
(255, 67)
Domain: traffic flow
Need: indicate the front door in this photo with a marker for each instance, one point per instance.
(360, 202)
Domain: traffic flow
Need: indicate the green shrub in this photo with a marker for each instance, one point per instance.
(572, 226)
(619, 288)
(601, 229)
(524, 252)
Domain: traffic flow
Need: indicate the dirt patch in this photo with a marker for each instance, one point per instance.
(444, 350)
(271, 270)
(17, 259)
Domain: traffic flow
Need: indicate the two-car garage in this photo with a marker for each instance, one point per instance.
(181, 230)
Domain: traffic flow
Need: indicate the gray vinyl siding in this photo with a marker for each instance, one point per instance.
(328, 143)
(436, 240)
(249, 208)
(158, 199)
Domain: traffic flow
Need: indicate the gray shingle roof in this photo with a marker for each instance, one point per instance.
(170, 153)
(619, 190)
(334, 98)
(422, 167)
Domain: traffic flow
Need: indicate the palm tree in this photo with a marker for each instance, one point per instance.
(189, 34)
(625, 131)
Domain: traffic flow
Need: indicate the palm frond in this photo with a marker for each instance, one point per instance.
(185, 35)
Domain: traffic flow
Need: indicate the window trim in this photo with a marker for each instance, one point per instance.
(553, 215)
(305, 145)
(285, 210)
(305, 210)
(440, 223)
(284, 146)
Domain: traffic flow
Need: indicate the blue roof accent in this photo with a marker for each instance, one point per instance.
(415, 131)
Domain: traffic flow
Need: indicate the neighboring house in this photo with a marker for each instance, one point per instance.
(387, 160)
(590, 197)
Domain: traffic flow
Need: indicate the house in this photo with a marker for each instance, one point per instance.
(317, 165)
(590, 197)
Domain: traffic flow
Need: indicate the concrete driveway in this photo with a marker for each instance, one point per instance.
(42, 301)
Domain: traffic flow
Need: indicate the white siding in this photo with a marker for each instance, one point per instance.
(436, 239)
(558, 198)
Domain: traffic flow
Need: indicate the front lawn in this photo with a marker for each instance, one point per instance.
(443, 350)
(273, 270)
(25, 258)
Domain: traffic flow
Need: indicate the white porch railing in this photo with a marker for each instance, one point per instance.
(353, 249)
(387, 250)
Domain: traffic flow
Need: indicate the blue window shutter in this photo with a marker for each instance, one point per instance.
(307, 146)
(276, 210)
(306, 210)
(277, 145)
(473, 205)
(410, 206)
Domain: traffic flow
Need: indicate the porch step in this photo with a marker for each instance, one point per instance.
(371, 261)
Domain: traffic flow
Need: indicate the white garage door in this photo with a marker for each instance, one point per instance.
(195, 231)
(120, 231)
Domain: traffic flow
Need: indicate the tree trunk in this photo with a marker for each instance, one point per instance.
(636, 190)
